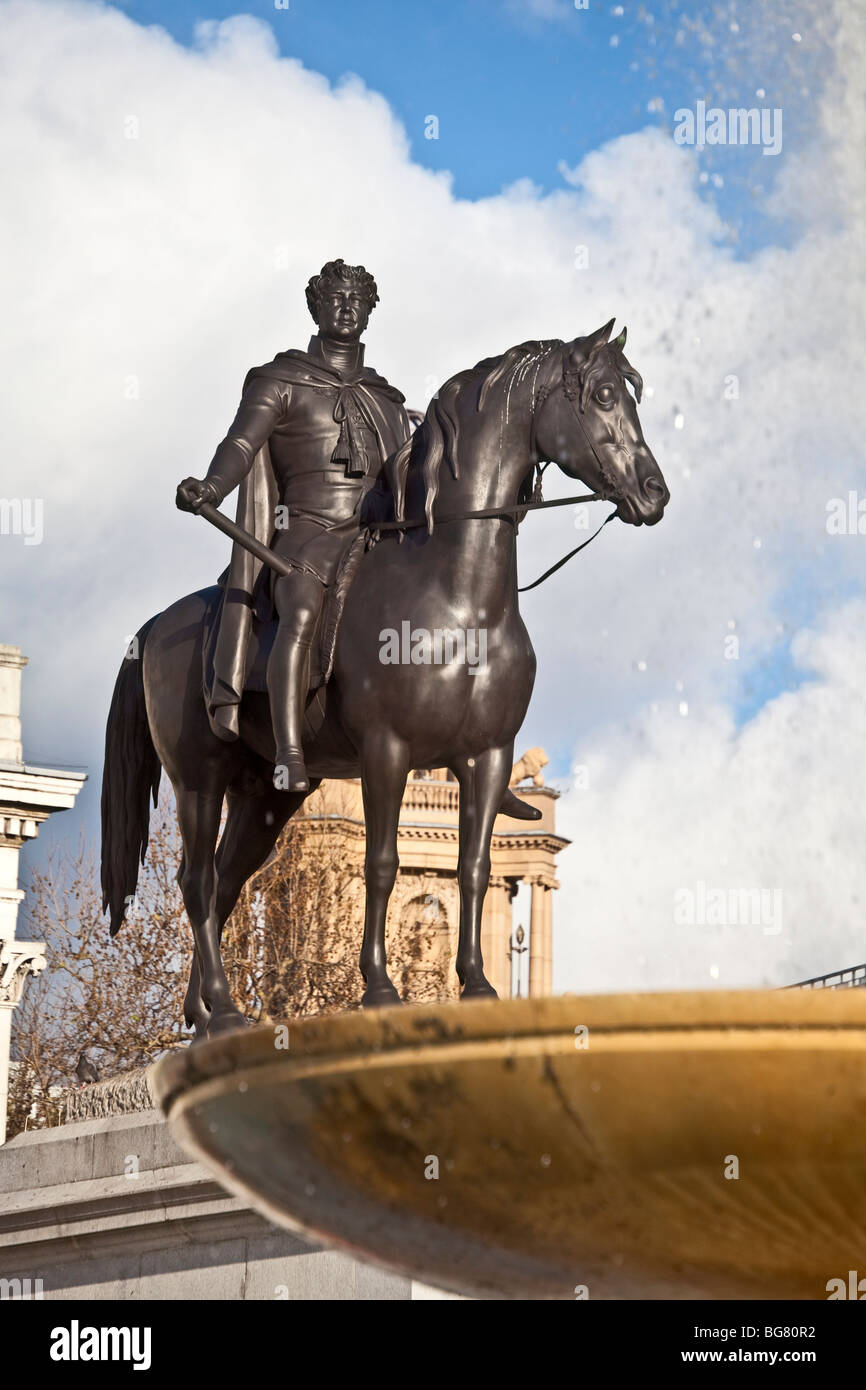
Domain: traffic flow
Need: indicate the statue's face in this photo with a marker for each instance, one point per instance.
(343, 311)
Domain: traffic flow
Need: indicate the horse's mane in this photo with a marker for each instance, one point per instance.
(438, 437)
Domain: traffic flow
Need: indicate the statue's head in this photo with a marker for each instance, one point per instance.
(341, 298)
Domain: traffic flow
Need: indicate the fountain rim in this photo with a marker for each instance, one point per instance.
(342, 1036)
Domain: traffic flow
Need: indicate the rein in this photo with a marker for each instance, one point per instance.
(537, 503)
(507, 513)
(524, 588)
(485, 512)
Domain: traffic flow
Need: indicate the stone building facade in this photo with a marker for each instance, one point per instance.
(28, 796)
(423, 913)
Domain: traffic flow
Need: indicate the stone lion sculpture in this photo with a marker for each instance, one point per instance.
(529, 765)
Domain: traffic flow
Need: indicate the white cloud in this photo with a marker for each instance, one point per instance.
(148, 273)
(773, 806)
(540, 9)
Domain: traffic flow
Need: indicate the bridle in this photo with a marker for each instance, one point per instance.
(536, 502)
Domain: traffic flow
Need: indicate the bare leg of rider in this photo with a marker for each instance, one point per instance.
(298, 600)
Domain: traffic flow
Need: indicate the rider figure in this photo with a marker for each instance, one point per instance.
(312, 432)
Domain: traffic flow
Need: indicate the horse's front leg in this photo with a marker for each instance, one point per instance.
(384, 767)
(483, 781)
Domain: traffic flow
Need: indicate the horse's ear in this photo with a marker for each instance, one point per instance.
(583, 348)
(620, 341)
(599, 337)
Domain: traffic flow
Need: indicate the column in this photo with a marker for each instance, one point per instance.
(12, 663)
(5, 1043)
(18, 960)
(547, 928)
(495, 936)
(540, 940)
(13, 954)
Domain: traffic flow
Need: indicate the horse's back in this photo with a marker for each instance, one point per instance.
(173, 672)
(177, 634)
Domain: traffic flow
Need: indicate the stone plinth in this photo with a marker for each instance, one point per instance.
(112, 1208)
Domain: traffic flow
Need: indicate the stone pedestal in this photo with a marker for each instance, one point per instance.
(111, 1208)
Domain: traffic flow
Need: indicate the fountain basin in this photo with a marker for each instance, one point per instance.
(683, 1145)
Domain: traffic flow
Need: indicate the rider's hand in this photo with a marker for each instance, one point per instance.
(192, 492)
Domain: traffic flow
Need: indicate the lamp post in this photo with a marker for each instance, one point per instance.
(517, 948)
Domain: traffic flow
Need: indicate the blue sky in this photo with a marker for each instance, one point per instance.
(521, 86)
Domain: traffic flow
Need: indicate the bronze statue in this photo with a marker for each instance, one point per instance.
(431, 550)
(311, 434)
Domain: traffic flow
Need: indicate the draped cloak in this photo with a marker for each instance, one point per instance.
(361, 395)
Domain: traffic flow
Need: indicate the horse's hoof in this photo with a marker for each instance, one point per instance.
(380, 996)
(511, 805)
(481, 989)
(226, 1023)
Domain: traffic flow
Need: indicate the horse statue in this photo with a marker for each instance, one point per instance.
(446, 562)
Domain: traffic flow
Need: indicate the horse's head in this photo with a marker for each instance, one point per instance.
(587, 423)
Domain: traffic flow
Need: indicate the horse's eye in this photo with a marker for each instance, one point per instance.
(604, 395)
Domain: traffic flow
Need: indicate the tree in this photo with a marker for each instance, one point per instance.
(120, 1001)
(286, 948)
(292, 943)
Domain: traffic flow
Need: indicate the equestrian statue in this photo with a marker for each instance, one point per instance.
(349, 525)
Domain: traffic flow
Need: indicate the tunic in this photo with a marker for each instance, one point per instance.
(307, 444)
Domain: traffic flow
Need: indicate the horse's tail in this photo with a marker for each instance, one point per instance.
(130, 777)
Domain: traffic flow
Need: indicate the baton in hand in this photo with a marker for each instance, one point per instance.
(244, 538)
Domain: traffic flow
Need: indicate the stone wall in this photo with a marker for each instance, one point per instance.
(111, 1208)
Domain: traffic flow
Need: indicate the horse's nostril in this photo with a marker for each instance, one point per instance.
(653, 488)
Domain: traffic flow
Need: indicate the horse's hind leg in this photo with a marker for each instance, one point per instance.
(384, 767)
(252, 828)
(198, 814)
(482, 784)
(196, 1013)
